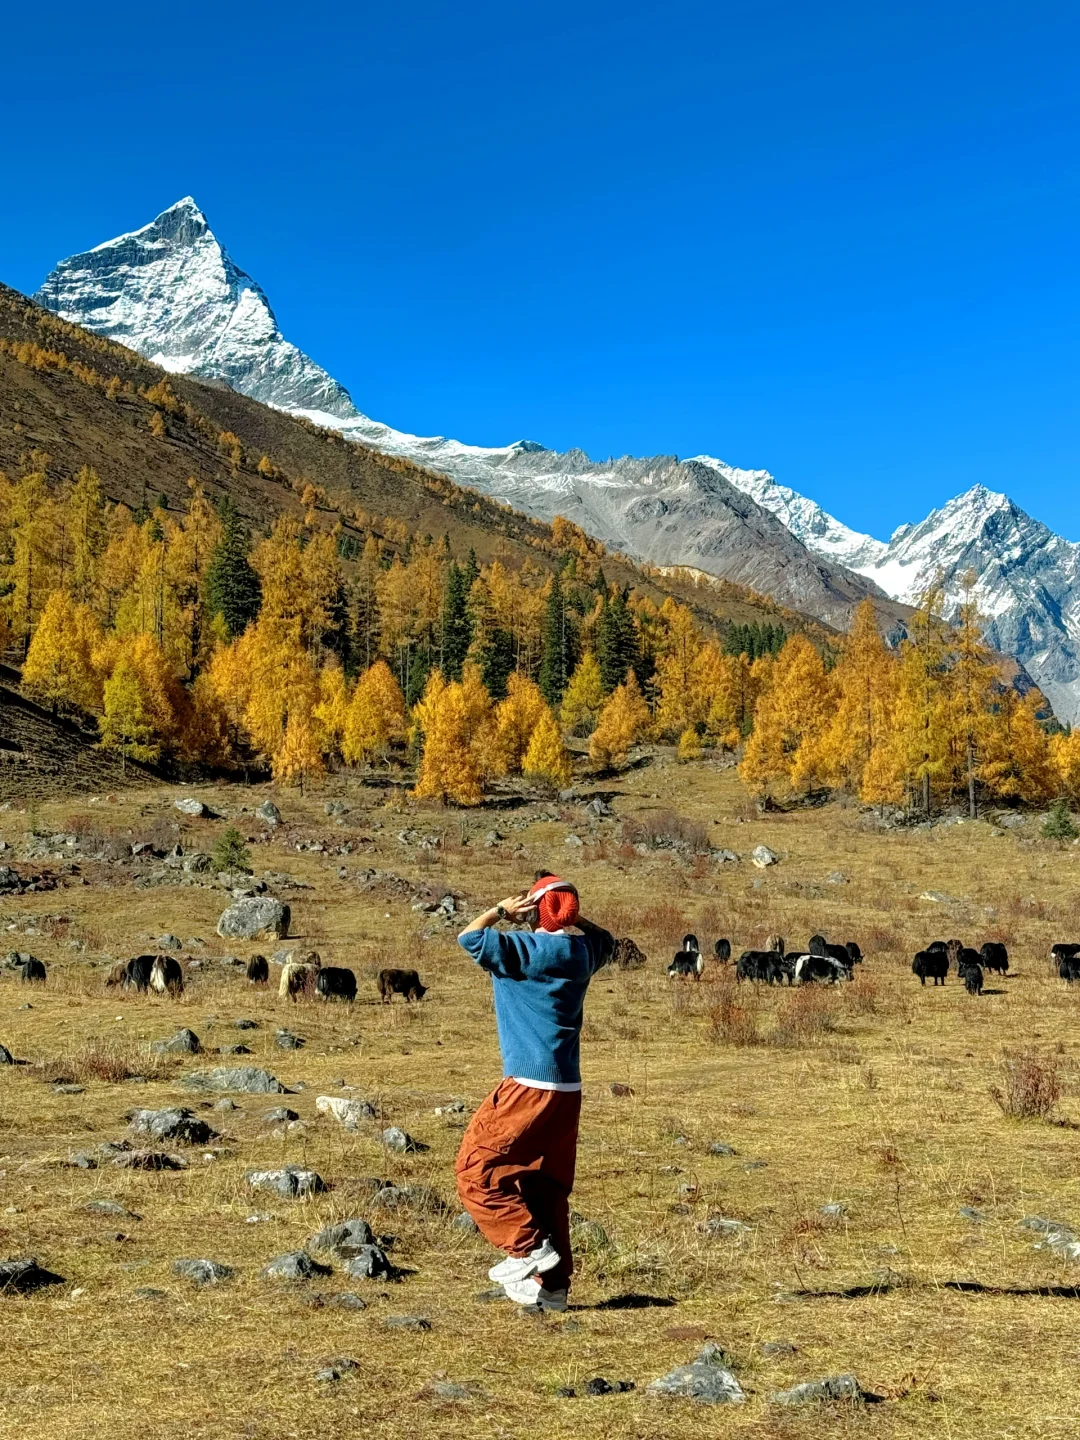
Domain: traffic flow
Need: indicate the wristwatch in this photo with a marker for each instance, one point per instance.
(501, 911)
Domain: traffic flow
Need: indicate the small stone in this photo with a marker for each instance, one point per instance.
(835, 1210)
(346, 1238)
(706, 1380)
(109, 1207)
(778, 1349)
(226, 1104)
(397, 1139)
(454, 1107)
(349, 1113)
(565, 1392)
(280, 1115)
(269, 812)
(620, 1090)
(832, 1387)
(326, 1376)
(967, 1212)
(721, 1147)
(233, 1050)
(5, 1056)
(286, 1040)
(369, 1262)
(590, 1235)
(763, 857)
(293, 1266)
(598, 1386)
(292, 1182)
(575, 840)
(169, 942)
(837, 878)
(347, 1300)
(243, 1078)
(23, 1276)
(465, 1223)
(184, 1042)
(69, 1089)
(81, 1160)
(149, 1160)
(407, 1322)
(449, 1390)
(202, 1272)
(176, 1124)
(721, 1225)
(147, 1292)
(190, 806)
(196, 864)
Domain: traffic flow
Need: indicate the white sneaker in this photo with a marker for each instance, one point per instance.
(519, 1267)
(532, 1294)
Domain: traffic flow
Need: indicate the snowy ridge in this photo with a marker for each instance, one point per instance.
(172, 292)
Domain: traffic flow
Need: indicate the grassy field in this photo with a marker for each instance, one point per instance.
(875, 1098)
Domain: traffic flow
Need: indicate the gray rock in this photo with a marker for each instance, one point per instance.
(245, 1079)
(190, 806)
(169, 942)
(149, 1160)
(202, 1272)
(292, 1182)
(280, 1115)
(589, 1235)
(369, 1262)
(835, 1210)
(148, 1292)
(234, 1050)
(706, 1380)
(968, 1212)
(725, 857)
(269, 812)
(811, 1392)
(81, 1160)
(345, 1300)
(837, 877)
(936, 897)
(22, 1276)
(286, 1040)
(253, 918)
(721, 1225)
(196, 864)
(108, 1207)
(184, 1042)
(415, 1197)
(778, 1349)
(226, 1104)
(397, 1139)
(294, 1265)
(346, 1238)
(245, 1024)
(449, 1390)
(349, 1113)
(335, 807)
(465, 1223)
(407, 1322)
(326, 1376)
(575, 840)
(763, 857)
(69, 1089)
(5, 1056)
(177, 1124)
(721, 1147)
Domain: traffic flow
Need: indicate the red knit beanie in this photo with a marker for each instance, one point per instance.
(557, 902)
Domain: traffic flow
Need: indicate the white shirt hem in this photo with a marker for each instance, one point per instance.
(561, 1085)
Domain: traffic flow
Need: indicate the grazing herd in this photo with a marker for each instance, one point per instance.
(775, 965)
(933, 962)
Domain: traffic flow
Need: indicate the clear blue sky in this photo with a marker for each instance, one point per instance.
(835, 240)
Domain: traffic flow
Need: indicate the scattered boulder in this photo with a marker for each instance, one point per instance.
(110, 1207)
(449, 1390)
(292, 1182)
(415, 1197)
(149, 1160)
(280, 1115)
(5, 1056)
(169, 942)
(407, 1322)
(721, 1147)
(292, 1266)
(763, 857)
(837, 877)
(370, 1262)
(465, 1223)
(397, 1139)
(177, 1124)
(21, 1277)
(253, 918)
(246, 1079)
(725, 857)
(197, 864)
(286, 1040)
(834, 1210)
(810, 1392)
(345, 1239)
(575, 840)
(589, 1235)
(706, 1380)
(620, 1090)
(184, 1042)
(202, 1272)
(269, 812)
(190, 806)
(778, 1349)
(349, 1113)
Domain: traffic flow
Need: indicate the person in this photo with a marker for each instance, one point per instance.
(515, 1168)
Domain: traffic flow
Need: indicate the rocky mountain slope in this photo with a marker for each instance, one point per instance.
(171, 292)
(1027, 577)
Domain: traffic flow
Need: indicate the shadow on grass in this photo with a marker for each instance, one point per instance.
(631, 1301)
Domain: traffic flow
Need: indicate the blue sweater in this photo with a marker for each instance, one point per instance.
(539, 982)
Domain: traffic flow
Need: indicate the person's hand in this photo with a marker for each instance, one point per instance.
(517, 906)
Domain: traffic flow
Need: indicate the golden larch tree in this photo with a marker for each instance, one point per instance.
(547, 761)
(623, 720)
(584, 697)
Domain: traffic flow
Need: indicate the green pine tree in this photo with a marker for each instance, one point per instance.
(617, 646)
(231, 854)
(556, 658)
(456, 624)
(1058, 824)
(232, 586)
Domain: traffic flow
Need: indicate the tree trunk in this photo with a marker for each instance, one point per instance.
(926, 792)
(972, 809)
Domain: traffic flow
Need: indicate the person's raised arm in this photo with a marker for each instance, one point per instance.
(514, 907)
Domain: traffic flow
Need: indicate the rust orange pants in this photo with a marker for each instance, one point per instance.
(515, 1170)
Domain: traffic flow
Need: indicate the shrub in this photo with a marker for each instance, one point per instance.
(733, 1018)
(806, 1017)
(664, 830)
(1058, 824)
(1032, 1087)
(230, 852)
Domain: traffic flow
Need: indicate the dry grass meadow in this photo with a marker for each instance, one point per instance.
(874, 1097)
